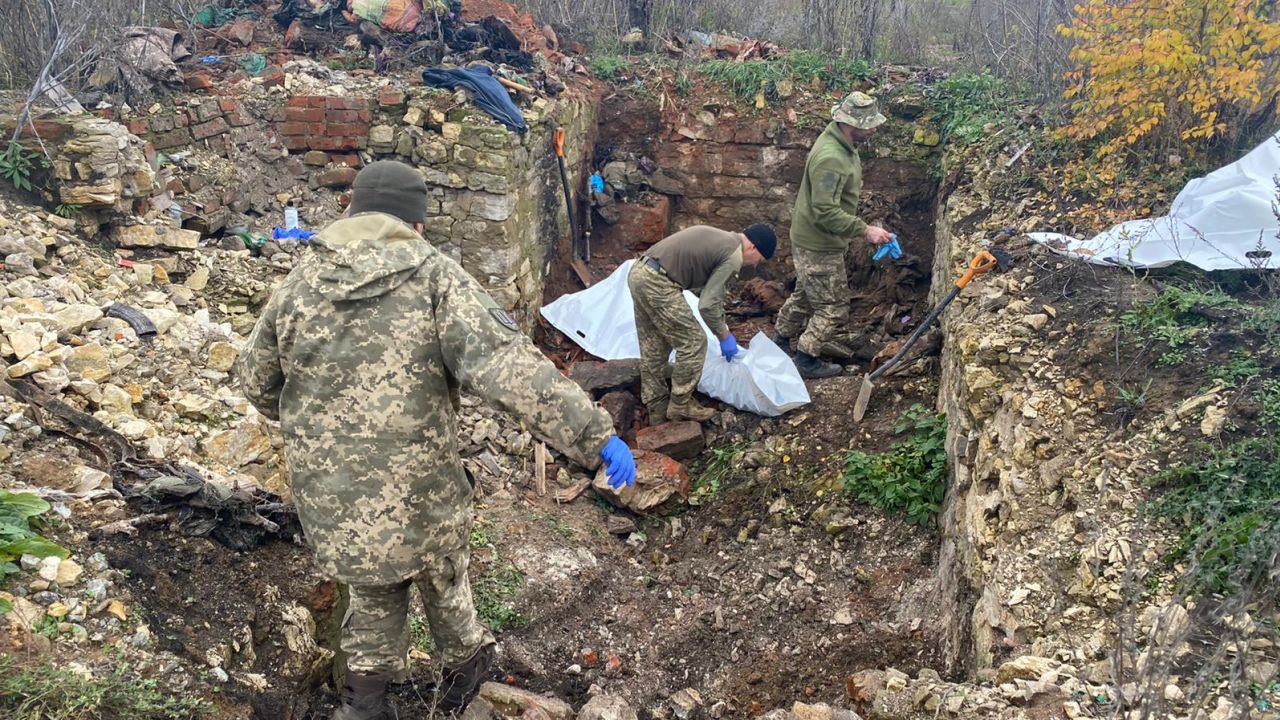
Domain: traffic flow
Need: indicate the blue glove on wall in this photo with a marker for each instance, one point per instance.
(619, 465)
(729, 347)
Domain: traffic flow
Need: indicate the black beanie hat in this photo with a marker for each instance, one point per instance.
(762, 237)
(390, 187)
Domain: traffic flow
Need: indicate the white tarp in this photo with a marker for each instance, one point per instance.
(762, 379)
(1222, 221)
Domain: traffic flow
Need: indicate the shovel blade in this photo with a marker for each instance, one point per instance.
(864, 397)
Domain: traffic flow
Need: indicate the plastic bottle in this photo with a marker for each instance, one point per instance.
(290, 216)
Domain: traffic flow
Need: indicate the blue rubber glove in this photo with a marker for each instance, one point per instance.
(619, 465)
(729, 347)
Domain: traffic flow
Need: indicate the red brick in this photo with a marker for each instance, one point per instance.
(324, 142)
(343, 116)
(217, 126)
(390, 98)
(171, 139)
(366, 116)
(318, 101)
(228, 105)
(138, 127)
(296, 142)
(176, 187)
(344, 103)
(149, 152)
(239, 119)
(273, 77)
(163, 123)
(349, 159)
(46, 129)
(295, 128)
(299, 101)
(347, 130)
(199, 81)
(205, 112)
(181, 120)
(679, 440)
(299, 114)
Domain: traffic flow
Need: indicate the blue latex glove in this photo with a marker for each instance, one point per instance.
(619, 465)
(890, 249)
(729, 347)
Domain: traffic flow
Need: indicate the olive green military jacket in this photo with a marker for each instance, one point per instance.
(360, 354)
(825, 215)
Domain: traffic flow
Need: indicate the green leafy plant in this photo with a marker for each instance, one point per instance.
(18, 513)
(67, 210)
(481, 536)
(748, 78)
(1176, 317)
(717, 468)
(608, 67)
(18, 163)
(495, 591)
(964, 104)
(45, 692)
(1241, 366)
(911, 477)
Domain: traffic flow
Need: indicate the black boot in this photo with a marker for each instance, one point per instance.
(811, 367)
(461, 683)
(364, 698)
(782, 341)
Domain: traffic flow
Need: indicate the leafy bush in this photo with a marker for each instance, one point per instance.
(495, 592)
(17, 164)
(607, 67)
(963, 104)
(911, 477)
(749, 78)
(1175, 318)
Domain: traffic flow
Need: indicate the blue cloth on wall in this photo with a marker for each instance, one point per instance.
(486, 92)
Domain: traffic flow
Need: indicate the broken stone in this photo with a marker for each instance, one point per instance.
(32, 364)
(247, 443)
(72, 318)
(23, 343)
(222, 356)
(165, 236)
(1214, 419)
(678, 440)
(686, 703)
(48, 568)
(69, 572)
(602, 376)
(116, 399)
(337, 178)
(316, 158)
(619, 525)
(661, 483)
(89, 362)
(1037, 321)
(515, 702)
(1027, 667)
(606, 707)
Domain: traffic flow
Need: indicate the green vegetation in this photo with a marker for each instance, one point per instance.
(44, 692)
(19, 516)
(18, 163)
(608, 67)
(420, 633)
(1175, 318)
(911, 477)
(964, 104)
(67, 210)
(495, 592)
(800, 67)
(717, 467)
(481, 536)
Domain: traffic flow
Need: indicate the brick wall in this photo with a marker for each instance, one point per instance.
(208, 120)
(317, 122)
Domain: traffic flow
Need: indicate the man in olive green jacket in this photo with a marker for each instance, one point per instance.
(823, 221)
(360, 355)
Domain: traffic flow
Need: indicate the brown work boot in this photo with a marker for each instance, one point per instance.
(658, 411)
(364, 698)
(689, 409)
(811, 367)
(461, 683)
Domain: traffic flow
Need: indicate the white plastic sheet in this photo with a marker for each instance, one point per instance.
(762, 379)
(1222, 221)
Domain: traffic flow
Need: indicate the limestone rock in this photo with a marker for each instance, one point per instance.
(89, 362)
(606, 707)
(69, 572)
(73, 318)
(222, 356)
(516, 702)
(661, 483)
(164, 236)
(239, 446)
(23, 343)
(678, 440)
(32, 364)
(1027, 667)
(686, 704)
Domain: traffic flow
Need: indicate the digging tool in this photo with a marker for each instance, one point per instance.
(580, 268)
(983, 262)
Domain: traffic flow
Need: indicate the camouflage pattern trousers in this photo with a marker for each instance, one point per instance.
(818, 310)
(664, 322)
(375, 630)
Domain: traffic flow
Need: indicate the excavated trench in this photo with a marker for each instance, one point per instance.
(772, 589)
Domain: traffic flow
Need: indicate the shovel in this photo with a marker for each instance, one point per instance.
(983, 262)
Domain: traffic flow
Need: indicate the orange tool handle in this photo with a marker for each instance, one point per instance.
(559, 141)
(981, 263)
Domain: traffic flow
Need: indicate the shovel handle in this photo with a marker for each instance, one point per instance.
(981, 263)
(558, 139)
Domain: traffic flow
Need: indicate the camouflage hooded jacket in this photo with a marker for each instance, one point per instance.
(359, 354)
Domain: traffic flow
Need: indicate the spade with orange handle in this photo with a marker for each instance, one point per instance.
(983, 262)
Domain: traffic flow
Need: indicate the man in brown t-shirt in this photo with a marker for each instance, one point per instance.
(701, 259)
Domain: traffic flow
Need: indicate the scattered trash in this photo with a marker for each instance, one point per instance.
(891, 249)
(290, 216)
(486, 92)
(212, 16)
(141, 324)
(294, 233)
(253, 63)
(143, 58)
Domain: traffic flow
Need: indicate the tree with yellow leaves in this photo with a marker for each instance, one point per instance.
(1169, 69)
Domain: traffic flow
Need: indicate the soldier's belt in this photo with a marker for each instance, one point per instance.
(657, 266)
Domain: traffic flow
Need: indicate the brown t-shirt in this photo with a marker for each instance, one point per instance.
(702, 258)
